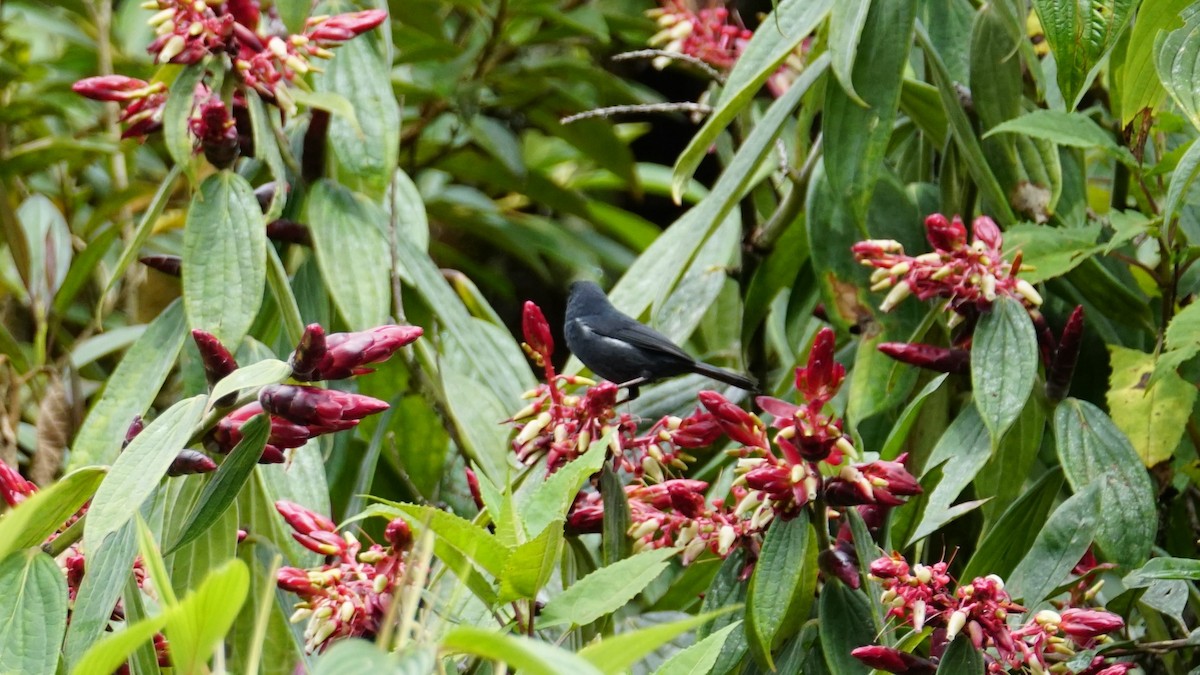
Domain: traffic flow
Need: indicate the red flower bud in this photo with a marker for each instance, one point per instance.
(988, 232)
(342, 355)
(823, 376)
(330, 31)
(697, 431)
(245, 12)
(1062, 369)
(322, 410)
(135, 428)
(473, 486)
(189, 462)
(272, 455)
(1083, 625)
(170, 265)
(309, 353)
(889, 567)
(536, 330)
(303, 520)
(325, 543)
(115, 88)
(738, 424)
(945, 235)
(891, 477)
(398, 534)
(216, 131)
(835, 562)
(294, 580)
(13, 487)
(940, 359)
(893, 660)
(289, 231)
(218, 362)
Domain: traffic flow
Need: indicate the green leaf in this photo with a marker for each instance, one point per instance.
(408, 210)
(34, 605)
(1163, 568)
(1050, 251)
(351, 252)
(614, 543)
(1004, 359)
(109, 653)
(472, 541)
(846, 22)
(39, 516)
(1080, 34)
(1182, 341)
(1071, 129)
(266, 146)
(1153, 416)
(107, 569)
(727, 590)
(1176, 57)
(552, 498)
(781, 31)
(260, 374)
(221, 491)
(618, 653)
(1006, 542)
(700, 657)
(1094, 452)
(1058, 547)
(1140, 87)
(908, 417)
(224, 257)
(138, 470)
(856, 137)
(354, 656)
(531, 563)
(1181, 182)
(199, 623)
(178, 112)
(474, 412)
(845, 624)
(782, 588)
(961, 452)
(606, 590)
(525, 655)
(961, 658)
(365, 155)
(131, 389)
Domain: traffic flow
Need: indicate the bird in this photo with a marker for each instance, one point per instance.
(626, 352)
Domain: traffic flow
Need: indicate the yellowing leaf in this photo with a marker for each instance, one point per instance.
(1153, 417)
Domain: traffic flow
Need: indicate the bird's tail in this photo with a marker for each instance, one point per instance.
(727, 376)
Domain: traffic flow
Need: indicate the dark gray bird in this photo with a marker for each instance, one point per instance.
(623, 351)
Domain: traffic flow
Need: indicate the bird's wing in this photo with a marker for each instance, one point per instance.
(642, 336)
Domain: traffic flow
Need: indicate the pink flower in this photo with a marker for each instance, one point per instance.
(13, 487)
(706, 34)
(1084, 625)
(115, 88)
(342, 355)
(330, 31)
(893, 660)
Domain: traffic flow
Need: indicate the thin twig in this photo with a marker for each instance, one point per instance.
(681, 106)
(674, 56)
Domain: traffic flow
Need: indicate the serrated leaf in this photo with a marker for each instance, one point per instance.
(530, 564)
(1004, 359)
(1176, 57)
(260, 374)
(961, 658)
(138, 470)
(614, 542)
(606, 590)
(1058, 547)
(131, 389)
(39, 516)
(618, 653)
(1073, 129)
(1051, 251)
(1163, 568)
(1181, 182)
(1094, 452)
(223, 488)
(1140, 87)
(1080, 34)
(472, 541)
(782, 30)
(1153, 416)
(224, 257)
(550, 500)
(351, 253)
(700, 657)
(783, 586)
(198, 624)
(525, 655)
(34, 605)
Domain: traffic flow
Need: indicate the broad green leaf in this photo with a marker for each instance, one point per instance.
(845, 624)
(474, 542)
(1051, 251)
(1183, 341)
(107, 568)
(878, 382)
(525, 655)
(782, 588)
(846, 22)
(727, 590)
(606, 590)
(333, 103)
(34, 605)
(50, 249)
(1177, 55)
(131, 389)
(1153, 416)
(178, 112)
(475, 412)
(908, 417)
(550, 500)
(781, 31)
(1094, 452)
(408, 210)
(155, 566)
(138, 470)
(1002, 479)
(1058, 547)
(1006, 542)
(42, 514)
(614, 542)
(1140, 87)
(217, 544)
(260, 374)
(355, 656)
(223, 488)
(856, 137)
(961, 658)
(366, 154)
(1163, 568)
(700, 657)
(199, 623)
(351, 252)
(224, 257)
(1004, 359)
(1080, 34)
(531, 563)
(106, 655)
(1071, 129)
(961, 452)
(618, 653)
(266, 146)
(1181, 182)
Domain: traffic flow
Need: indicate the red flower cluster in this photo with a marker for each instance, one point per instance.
(921, 596)
(349, 596)
(971, 276)
(711, 35)
(191, 30)
(299, 413)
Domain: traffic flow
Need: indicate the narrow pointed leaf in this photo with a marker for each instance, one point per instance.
(39, 516)
(606, 590)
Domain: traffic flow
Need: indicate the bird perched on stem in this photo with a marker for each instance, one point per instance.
(621, 350)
